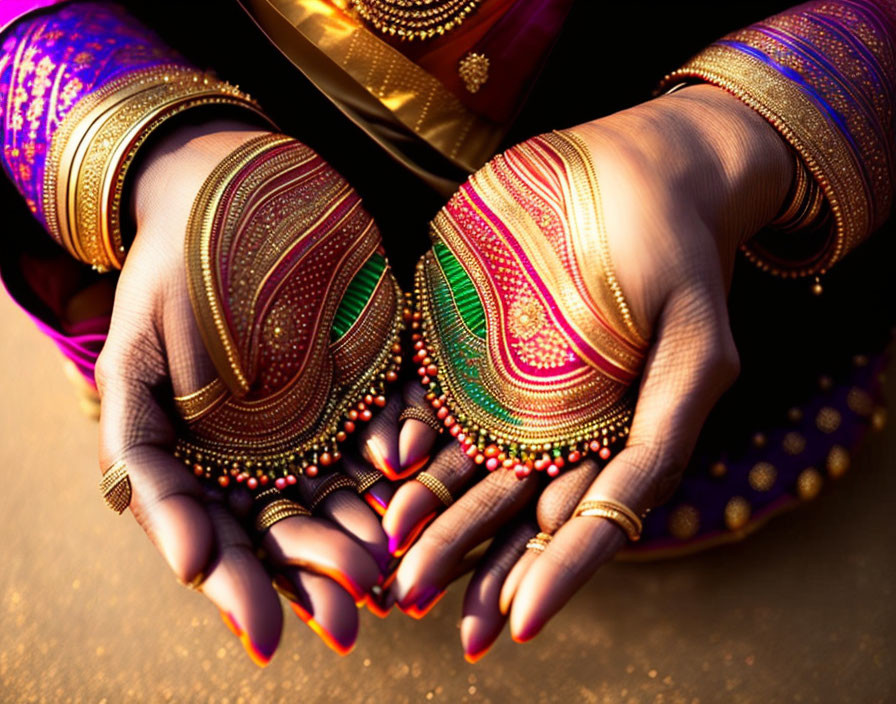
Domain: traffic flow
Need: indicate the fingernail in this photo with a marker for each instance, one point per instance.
(329, 640)
(376, 502)
(380, 458)
(345, 582)
(523, 636)
(431, 597)
(415, 440)
(259, 654)
(473, 658)
(398, 546)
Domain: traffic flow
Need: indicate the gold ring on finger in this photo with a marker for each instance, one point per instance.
(436, 486)
(539, 542)
(618, 513)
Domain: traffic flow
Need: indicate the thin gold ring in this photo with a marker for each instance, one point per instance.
(424, 416)
(539, 542)
(618, 513)
(334, 483)
(436, 486)
(277, 511)
(115, 486)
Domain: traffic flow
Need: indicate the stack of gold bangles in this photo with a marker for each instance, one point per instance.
(92, 150)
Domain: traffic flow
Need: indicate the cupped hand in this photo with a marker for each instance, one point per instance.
(326, 562)
(684, 180)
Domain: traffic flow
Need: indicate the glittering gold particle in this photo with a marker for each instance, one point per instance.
(879, 418)
(795, 415)
(718, 469)
(860, 360)
(759, 440)
(737, 513)
(684, 521)
(825, 382)
(838, 461)
(828, 419)
(762, 476)
(793, 443)
(808, 483)
(859, 401)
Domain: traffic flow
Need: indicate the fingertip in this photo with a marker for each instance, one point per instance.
(475, 638)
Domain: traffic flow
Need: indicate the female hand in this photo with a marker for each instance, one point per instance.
(326, 562)
(683, 181)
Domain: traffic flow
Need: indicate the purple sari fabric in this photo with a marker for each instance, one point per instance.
(49, 60)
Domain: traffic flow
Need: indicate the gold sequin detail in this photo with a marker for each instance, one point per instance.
(809, 483)
(762, 476)
(859, 401)
(684, 522)
(737, 513)
(828, 419)
(794, 443)
(838, 461)
(718, 470)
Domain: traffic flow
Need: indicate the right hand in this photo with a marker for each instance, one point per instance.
(154, 351)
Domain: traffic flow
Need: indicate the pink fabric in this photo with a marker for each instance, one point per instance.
(11, 10)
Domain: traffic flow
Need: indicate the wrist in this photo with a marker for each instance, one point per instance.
(171, 174)
(742, 165)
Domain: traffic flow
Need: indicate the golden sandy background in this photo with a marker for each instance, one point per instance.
(804, 611)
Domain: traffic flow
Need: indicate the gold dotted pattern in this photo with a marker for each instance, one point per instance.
(838, 461)
(828, 419)
(809, 483)
(684, 522)
(762, 476)
(737, 513)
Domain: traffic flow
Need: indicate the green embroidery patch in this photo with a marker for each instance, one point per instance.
(462, 290)
(357, 295)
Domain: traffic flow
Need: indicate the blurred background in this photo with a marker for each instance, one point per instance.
(803, 611)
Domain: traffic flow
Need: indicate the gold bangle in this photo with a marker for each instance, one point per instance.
(436, 487)
(421, 414)
(94, 146)
(277, 511)
(115, 486)
(539, 542)
(618, 513)
(330, 485)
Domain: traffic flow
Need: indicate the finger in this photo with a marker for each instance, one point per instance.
(335, 497)
(324, 606)
(555, 506)
(482, 620)
(474, 517)
(378, 439)
(416, 502)
(134, 430)
(371, 485)
(691, 364)
(316, 545)
(418, 431)
(239, 586)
